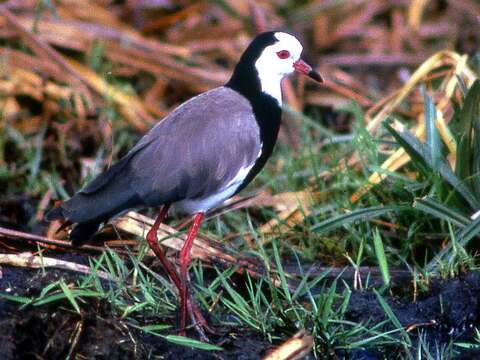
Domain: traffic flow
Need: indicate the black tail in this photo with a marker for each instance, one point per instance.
(83, 232)
(89, 210)
(55, 214)
(107, 195)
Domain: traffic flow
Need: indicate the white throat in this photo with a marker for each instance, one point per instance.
(271, 85)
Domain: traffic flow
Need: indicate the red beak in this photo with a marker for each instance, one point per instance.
(302, 67)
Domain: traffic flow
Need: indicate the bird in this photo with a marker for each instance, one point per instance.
(201, 154)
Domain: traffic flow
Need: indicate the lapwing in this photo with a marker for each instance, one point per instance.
(201, 154)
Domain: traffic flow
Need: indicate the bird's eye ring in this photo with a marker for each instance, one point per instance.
(283, 54)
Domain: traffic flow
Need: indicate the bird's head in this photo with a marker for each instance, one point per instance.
(282, 58)
(268, 59)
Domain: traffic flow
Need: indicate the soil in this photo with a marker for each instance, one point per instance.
(449, 311)
(45, 332)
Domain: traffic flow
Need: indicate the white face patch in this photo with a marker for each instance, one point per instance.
(272, 69)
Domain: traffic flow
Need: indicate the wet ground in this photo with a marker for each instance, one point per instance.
(449, 311)
(46, 332)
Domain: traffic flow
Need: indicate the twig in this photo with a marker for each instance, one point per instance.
(14, 234)
(297, 347)
(29, 260)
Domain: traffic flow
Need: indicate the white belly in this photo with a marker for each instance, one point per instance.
(192, 206)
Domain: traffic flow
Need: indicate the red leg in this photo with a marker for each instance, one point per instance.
(152, 240)
(184, 259)
(186, 301)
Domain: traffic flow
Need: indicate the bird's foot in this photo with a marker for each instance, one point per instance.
(190, 308)
(197, 318)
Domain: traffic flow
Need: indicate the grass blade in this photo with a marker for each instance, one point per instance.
(19, 299)
(469, 114)
(382, 259)
(420, 154)
(475, 176)
(154, 328)
(432, 136)
(359, 214)
(433, 207)
(391, 316)
(281, 273)
(469, 232)
(68, 293)
(185, 341)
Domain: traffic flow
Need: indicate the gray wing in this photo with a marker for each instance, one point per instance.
(197, 149)
(103, 179)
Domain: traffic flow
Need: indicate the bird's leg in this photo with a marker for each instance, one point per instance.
(184, 260)
(152, 239)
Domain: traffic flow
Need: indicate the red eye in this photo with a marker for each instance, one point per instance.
(283, 54)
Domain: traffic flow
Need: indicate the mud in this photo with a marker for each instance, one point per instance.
(46, 332)
(450, 311)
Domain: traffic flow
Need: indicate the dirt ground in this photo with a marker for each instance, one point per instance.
(450, 311)
(45, 332)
